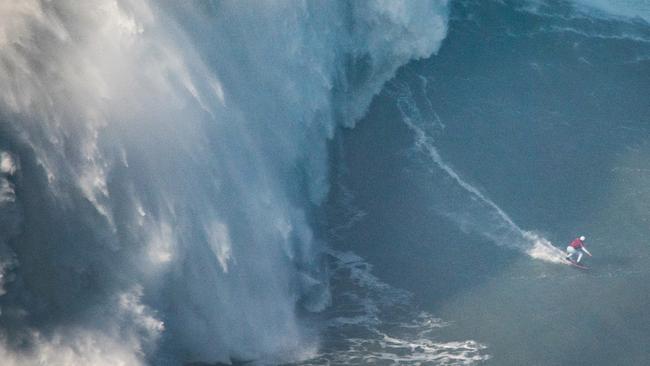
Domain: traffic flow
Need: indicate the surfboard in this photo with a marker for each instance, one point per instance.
(574, 264)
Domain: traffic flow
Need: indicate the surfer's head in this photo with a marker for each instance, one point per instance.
(582, 238)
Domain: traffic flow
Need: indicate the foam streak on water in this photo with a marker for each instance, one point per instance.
(473, 211)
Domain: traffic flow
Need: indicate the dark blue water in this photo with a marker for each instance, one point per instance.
(544, 110)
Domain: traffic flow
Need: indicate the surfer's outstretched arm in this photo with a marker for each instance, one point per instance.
(586, 251)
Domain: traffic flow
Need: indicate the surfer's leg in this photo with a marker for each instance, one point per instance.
(570, 252)
(579, 257)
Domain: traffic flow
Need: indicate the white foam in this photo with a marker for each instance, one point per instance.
(372, 322)
(220, 243)
(189, 141)
(543, 249)
(600, 35)
(639, 9)
(7, 163)
(123, 342)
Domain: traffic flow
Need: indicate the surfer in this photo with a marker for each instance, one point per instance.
(577, 246)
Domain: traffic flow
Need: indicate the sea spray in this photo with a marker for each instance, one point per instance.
(171, 156)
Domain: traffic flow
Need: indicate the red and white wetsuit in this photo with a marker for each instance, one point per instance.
(576, 247)
(576, 244)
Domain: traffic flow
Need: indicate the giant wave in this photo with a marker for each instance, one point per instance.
(160, 166)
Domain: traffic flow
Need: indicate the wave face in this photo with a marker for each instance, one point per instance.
(456, 198)
(160, 164)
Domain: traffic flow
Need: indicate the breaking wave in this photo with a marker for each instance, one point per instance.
(160, 165)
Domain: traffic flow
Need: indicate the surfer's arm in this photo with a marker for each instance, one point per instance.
(586, 251)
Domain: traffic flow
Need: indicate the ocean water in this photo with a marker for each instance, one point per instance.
(324, 183)
(531, 119)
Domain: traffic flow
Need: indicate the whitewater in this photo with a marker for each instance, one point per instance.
(160, 166)
(177, 179)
